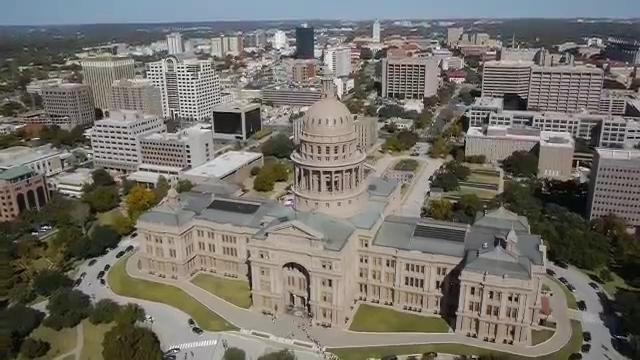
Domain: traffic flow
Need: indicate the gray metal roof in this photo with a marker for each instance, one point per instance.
(381, 187)
(497, 262)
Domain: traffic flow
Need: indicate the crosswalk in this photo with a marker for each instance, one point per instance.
(195, 344)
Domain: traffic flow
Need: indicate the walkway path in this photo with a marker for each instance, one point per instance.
(287, 326)
(79, 343)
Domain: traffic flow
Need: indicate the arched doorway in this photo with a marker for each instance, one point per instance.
(31, 199)
(297, 289)
(22, 204)
(42, 196)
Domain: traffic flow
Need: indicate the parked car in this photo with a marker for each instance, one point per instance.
(103, 282)
(83, 275)
(119, 254)
(586, 336)
(172, 351)
(101, 274)
(192, 323)
(563, 280)
(77, 282)
(197, 330)
(551, 272)
(168, 357)
(594, 286)
(582, 305)
(107, 267)
(92, 261)
(134, 235)
(562, 264)
(571, 288)
(585, 348)
(129, 248)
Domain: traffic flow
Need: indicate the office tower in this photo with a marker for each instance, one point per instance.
(116, 140)
(216, 47)
(304, 43)
(615, 185)
(280, 40)
(188, 46)
(518, 54)
(236, 120)
(261, 38)
(623, 50)
(338, 60)
(137, 95)
(100, 73)
(227, 45)
(565, 88)
(184, 149)
(189, 87)
(303, 70)
(174, 43)
(409, 77)
(453, 35)
(500, 78)
(68, 105)
(375, 36)
(22, 189)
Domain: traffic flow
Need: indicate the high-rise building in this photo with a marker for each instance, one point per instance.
(410, 77)
(338, 60)
(305, 43)
(189, 87)
(184, 149)
(236, 120)
(174, 43)
(116, 139)
(500, 78)
(261, 38)
(615, 185)
(136, 95)
(68, 105)
(623, 50)
(303, 71)
(280, 40)
(453, 35)
(375, 36)
(565, 88)
(100, 73)
(227, 45)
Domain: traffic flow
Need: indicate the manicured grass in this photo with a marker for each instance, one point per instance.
(106, 218)
(61, 341)
(482, 194)
(234, 291)
(371, 318)
(458, 349)
(571, 299)
(611, 287)
(122, 284)
(540, 336)
(92, 341)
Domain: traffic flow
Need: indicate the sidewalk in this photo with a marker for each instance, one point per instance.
(287, 326)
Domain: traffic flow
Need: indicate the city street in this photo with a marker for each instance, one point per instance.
(592, 319)
(414, 199)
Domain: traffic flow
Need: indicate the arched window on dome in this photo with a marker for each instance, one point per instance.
(335, 121)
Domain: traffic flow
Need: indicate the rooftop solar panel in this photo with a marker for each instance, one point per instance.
(233, 206)
(439, 233)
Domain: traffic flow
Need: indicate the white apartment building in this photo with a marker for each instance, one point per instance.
(280, 40)
(187, 148)
(338, 60)
(136, 95)
(100, 73)
(410, 77)
(116, 139)
(565, 88)
(375, 36)
(174, 43)
(506, 77)
(189, 87)
(68, 105)
(227, 45)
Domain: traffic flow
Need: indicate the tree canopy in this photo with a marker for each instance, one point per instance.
(440, 210)
(127, 341)
(279, 146)
(48, 281)
(139, 200)
(67, 308)
(521, 164)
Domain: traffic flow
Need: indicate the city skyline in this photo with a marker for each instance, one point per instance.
(148, 11)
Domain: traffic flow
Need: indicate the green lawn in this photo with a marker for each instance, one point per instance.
(540, 336)
(123, 284)
(236, 292)
(482, 178)
(61, 341)
(106, 218)
(458, 349)
(371, 318)
(611, 286)
(571, 299)
(93, 336)
(481, 193)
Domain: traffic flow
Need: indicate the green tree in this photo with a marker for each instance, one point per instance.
(102, 198)
(279, 146)
(521, 164)
(6, 270)
(122, 224)
(446, 181)
(67, 308)
(234, 353)
(139, 200)
(130, 314)
(100, 240)
(104, 312)
(33, 348)
(456, 168)
(127, 185)
(264, 181)
(161, 189)
(126, 341)
(278, 355)
(440, 148)
(48, 281)
(101, 177)
(440, 210)
(469, 205)
(185, 185)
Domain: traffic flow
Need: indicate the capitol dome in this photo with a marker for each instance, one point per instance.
(328, 117)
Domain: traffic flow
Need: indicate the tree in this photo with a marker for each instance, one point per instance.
(425, 119)
(456, 168)
(20, 320)
(440, 148)
(185, 185)
(139, 200)
(234, 353)
(263, 182)
(521, 164)
(130, 314)
(102, 198)
(279, 146)
(126, 341)
(102, 178)
(469, 205)
(33, 348)
(446, 181)
(278, 355)
(67, 308)
(99, 114)
(104, 312)
(6, 270)
(48, 281)
(127, 185)
(161, 189)
(122, 224)
(101, 239)
(440, 210)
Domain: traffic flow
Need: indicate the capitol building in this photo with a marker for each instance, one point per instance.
(340, 244)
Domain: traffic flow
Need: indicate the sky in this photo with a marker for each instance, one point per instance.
(45, 12)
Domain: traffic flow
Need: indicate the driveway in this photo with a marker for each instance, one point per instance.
(592, 319)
